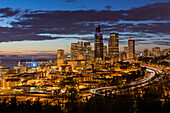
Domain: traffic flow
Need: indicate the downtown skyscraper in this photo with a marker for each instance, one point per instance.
(60, 57)
(87, 51)
(131, 45)
(81, 51)
(77, 50)
(74, 51)
(113, 45)
(60, 54)
(98, 43)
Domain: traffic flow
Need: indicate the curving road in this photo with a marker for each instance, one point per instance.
(135, 84)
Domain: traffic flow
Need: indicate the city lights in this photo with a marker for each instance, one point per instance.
(73, 56)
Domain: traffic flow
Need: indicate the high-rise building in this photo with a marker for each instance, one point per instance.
(60, 57)
(86, 44)
(87, 53)
(131, 45)
(98, 42)
(80, 47)
(60, 54)
(97, 27)
(146, 53)
(80, 52)
(105, 51)
(126, 50)
(114, 46)
(74, 51)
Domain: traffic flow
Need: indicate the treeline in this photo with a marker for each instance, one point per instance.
(120, 104)
(116, 104)
(14, 106)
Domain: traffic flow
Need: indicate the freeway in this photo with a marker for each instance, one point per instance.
(135, 84)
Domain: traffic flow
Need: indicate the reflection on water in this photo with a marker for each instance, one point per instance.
(11, 62)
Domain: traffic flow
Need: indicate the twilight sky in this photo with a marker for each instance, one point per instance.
(40, 27)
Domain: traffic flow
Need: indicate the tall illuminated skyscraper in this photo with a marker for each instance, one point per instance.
(60, 54)
(80, 47)
(80, 51)
(131, 45)
(98, 42)
(114, 46)
(87, 53)
(74, 51)
(86, 44)
(60, 57)
(97, 26)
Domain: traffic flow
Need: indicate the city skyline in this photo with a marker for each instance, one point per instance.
(41, 30)
(88, 56)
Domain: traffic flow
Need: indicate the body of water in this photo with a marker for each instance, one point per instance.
(14, 62)
(10, 62)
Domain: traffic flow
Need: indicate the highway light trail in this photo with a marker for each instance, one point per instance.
(135, 84)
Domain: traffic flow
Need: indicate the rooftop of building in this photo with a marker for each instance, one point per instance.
(97, 24)
(132, 39)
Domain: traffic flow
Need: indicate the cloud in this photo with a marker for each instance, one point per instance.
(143, 22)
(8, 12)
(161, 42)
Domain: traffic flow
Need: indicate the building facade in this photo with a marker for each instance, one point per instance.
(131, 45)
(60, 54)
(98, 43)
(87, 53)
(74, 51)
(126, 50)
(114, 46)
